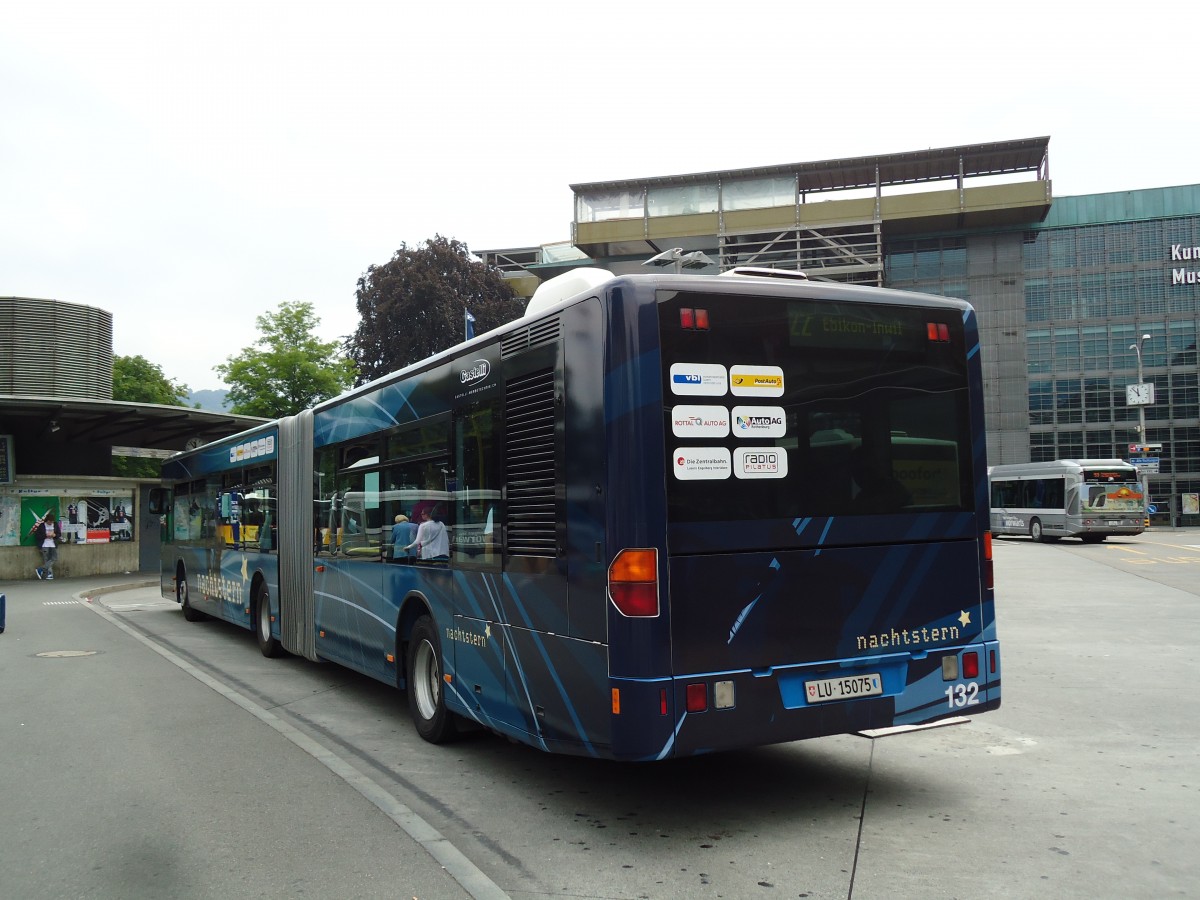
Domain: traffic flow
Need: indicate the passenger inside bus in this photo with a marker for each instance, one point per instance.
(404, 535)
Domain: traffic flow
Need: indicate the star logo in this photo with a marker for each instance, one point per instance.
(964, 618)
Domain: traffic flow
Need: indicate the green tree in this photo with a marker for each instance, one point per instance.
(415, 305)
(137, 380)
(289, 369)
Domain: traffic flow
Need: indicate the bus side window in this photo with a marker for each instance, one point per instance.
(324, 492)
(475, 535)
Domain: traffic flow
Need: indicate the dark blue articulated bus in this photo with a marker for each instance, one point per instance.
(682, 513)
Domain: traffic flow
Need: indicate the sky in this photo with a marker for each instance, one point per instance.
(188, 166)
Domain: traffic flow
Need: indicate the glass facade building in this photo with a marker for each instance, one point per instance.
(1061, 304)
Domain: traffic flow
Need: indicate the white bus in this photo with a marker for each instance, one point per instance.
(1085, 498)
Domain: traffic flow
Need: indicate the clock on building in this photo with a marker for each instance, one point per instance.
(1139, 394)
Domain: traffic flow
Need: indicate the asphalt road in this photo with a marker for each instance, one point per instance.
(126, 776)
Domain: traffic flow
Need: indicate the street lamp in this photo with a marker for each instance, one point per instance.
(1141, 395)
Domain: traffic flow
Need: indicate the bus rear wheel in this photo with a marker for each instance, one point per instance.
(426, 697)
(262, 623)
(181, 594)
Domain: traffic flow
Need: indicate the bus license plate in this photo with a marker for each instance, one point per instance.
(845, 688)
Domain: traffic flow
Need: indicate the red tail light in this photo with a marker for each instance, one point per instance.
(697, 697)
(687, 318)
(633, 582)
(970, 664)
(989, 579)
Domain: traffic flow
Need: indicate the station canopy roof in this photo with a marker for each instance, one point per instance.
(914, 167)
(117, 423)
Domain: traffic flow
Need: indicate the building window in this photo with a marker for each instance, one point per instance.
(1037, 299)
(1121, 294)
(1096, 354)
(1038, 351)
(1066, 350)
(1068, 401)
(1041, 403)
(1041, 447)
(1070, 445)
(1097, 400)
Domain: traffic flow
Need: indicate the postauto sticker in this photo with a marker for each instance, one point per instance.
(756, 381)
(699, 421)
(760, 462)
(701, 463)
(699, 379)
(759, 422)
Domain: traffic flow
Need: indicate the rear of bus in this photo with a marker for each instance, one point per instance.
(827, 563)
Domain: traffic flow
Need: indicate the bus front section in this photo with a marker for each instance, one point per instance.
(826, 567)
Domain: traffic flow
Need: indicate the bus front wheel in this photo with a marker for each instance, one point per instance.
(426, 698)
(262, 622)
(1035, 530)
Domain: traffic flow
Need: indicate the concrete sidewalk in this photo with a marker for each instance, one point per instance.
(125, 776)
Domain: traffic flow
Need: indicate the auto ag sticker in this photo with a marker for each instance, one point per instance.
(759, 422)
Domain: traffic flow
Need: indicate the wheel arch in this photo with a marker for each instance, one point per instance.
(412, 608)
(257, 581)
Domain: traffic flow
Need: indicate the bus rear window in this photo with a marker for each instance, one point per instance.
(787, 408)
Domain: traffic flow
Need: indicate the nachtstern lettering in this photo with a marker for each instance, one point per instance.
(462, 636)
(220, 588)
(907, 637)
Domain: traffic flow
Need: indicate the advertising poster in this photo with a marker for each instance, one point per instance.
(121, 525)
(33, 511)
(10, 520)
(74, 521)
(99, 520)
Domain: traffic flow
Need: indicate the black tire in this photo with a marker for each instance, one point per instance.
(426, 697)
(1092, 538)
(181, 594)
(261, 612)
(1035, 531)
